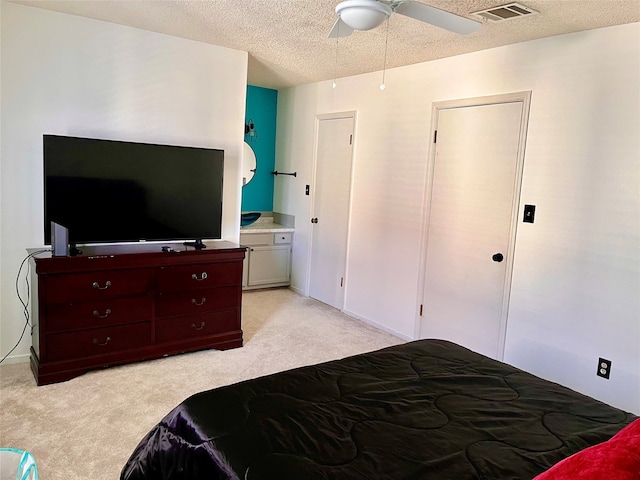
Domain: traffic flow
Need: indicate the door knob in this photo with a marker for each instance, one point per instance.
(498, 257)
(314, 220)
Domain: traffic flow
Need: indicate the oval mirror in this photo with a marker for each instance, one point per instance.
(249, 164)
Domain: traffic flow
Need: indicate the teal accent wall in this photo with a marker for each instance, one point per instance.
(261, 108)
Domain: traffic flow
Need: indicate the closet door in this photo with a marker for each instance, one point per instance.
(330, 215)
(476, 172)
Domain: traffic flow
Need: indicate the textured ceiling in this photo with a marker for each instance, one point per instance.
(287, 39)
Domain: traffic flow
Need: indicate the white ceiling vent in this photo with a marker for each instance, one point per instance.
(505, 12)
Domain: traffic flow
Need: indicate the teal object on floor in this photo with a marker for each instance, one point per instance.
(17, 464)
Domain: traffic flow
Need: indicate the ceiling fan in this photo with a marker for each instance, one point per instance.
(368, 14)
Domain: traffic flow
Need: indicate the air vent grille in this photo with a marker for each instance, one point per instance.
(505, 12)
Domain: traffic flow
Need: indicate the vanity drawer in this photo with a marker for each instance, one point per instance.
(99, 341)
(279, 238)
(197, 301)
(256, 239)
(176, 279)
(99, 285)
(114, 311)
(196, 326)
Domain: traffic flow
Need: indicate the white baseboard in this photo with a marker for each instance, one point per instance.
(12, 359)
(378, 326)
(299, 291)
(362, 319)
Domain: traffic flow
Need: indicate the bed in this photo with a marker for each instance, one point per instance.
(428, 409)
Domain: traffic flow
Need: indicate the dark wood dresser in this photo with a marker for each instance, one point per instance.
(119, 304)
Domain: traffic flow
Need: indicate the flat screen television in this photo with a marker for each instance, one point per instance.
(107, 191)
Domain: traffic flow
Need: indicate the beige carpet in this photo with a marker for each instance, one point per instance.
(86, 428)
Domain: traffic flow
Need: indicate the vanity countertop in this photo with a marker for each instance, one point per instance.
(265, 227)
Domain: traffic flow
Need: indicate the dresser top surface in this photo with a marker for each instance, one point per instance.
(136, 255)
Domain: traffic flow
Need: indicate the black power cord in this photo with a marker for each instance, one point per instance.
(25, 303)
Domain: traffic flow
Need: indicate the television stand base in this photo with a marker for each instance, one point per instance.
(198, 245)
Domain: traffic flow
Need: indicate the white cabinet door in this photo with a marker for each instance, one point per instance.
(269, 264)
(245, 269)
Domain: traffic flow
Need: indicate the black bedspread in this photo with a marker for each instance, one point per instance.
(423, 410)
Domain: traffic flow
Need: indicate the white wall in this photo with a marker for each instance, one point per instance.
(576, 282)
(69, 75)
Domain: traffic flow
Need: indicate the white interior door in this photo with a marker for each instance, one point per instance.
(475, 188)
(330, 220)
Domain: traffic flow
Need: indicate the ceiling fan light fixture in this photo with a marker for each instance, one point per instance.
(363, 14)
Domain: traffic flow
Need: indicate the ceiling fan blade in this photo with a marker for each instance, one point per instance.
(340, 29)
(437, 17)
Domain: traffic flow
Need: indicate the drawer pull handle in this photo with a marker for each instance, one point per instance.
(203, 276)
(193, 325)
(195, 302)
(97, 342)
(107, 312)
(97, 285)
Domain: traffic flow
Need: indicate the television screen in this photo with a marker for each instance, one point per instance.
(106, 191)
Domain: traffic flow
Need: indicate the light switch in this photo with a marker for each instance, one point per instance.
(529, 213)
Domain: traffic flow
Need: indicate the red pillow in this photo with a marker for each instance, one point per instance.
(615, 459)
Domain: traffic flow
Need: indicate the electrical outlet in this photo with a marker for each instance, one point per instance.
(604, 368)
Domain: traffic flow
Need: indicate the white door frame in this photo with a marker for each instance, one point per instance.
(525, 98)
(319, 117)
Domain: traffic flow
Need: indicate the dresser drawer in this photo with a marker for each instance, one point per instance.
(100, 341)
(197, 326)
(191, 277)
(114, 311)
(196, 301)
(99, 285)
